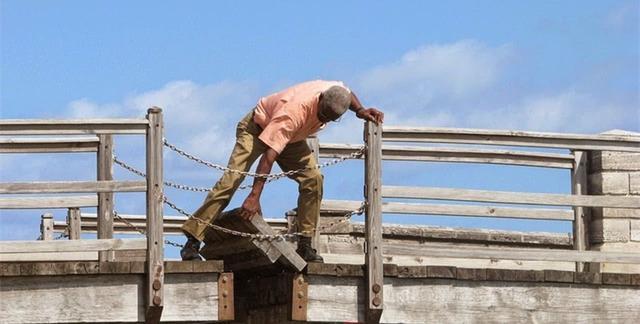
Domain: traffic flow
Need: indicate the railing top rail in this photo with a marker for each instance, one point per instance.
(72, 126)
(616, 142)
(66, 144)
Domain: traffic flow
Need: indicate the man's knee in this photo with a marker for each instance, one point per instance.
(312, 182)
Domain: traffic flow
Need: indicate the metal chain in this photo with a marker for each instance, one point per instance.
(141, 231)
(259, 236)
(61, 236)
(274, 176)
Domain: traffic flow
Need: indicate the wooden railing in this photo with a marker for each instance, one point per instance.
(576, 161)
(100, 142)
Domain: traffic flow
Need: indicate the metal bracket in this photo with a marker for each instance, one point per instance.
(226, 311)
(299, 298)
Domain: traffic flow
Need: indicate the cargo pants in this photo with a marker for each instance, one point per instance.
(247, 149)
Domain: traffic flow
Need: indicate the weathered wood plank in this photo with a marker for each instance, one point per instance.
(49, 256)
(104, 168)
(509, 197)
(477, 211)
(46, 227)
(71, 245)
(513, 254)
(154, 291)
(373, 223)
(461, 155)
(72, 187)
(48, 202)
(512, 138)
(72, 126)
(48, 145)
(582, 215)
(74, 223)
(106, 298)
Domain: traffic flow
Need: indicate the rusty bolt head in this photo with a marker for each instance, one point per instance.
(300, 294)
(225, 293)
(300, 280)
(224, 279)
(157, 300)
(156, 284)
(376, 288)
(376, 301)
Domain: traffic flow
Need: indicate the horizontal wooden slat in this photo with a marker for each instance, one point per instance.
(458, 155)
(72, 245)
(49, 145)
(477, 211)
(513, 254)
(48, 202)
(49, 256)
(72, 126)
(72, 186)
(510, 197)
(512, 138)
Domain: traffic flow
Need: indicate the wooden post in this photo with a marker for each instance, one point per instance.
(46, 227)
(74, 225)
(155, 241)
(582, 214)
(314, 145)
(373, 222)
(105, 199)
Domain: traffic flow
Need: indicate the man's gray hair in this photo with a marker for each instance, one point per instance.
(336, 99)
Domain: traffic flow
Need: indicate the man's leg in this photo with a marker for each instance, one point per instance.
(246, 150)
(297, 156)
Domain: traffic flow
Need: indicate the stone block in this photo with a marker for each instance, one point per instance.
(634, 230)
(634, 183)
(628, 247)
(609, 183)
(614, 161)
(609, 230)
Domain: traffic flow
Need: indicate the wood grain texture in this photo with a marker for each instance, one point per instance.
(460, 155)
(72, 126)
(72, 187)
(46, 227)
(104, 172)
(46, 202)
(48, 145)
(512, 138)
(74, 223)
(509, 197)
(71, 245)
(105, 298)
(582, 217)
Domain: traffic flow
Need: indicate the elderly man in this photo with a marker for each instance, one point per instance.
(276, 130)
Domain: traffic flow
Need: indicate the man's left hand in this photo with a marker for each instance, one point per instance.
(371, 114)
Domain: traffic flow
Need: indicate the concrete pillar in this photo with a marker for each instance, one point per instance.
(613, 229)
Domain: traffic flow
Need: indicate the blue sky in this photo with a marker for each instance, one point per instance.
(565, 66)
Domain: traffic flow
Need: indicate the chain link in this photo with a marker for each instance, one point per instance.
(141, 231)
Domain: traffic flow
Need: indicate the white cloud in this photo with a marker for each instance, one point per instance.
(624, 14)
(452, 71)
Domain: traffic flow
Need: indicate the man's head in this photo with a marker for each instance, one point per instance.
(333, 103)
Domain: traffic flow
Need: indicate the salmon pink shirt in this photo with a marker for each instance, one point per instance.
(291, 115)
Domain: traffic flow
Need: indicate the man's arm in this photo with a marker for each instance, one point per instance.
(371, 114)
(251, 204)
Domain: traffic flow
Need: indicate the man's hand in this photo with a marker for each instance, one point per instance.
(250, 207)
(371, 114)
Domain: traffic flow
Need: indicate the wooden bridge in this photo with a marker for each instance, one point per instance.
(374, 272)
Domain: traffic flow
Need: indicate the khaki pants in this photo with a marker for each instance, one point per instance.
(246, 150)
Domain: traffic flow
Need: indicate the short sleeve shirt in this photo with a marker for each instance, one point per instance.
(291, 115)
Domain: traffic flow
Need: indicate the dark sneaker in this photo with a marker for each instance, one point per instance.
(190, 250)
(306, 252)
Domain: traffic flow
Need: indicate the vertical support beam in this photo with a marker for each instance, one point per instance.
(226, 310)
(105, 199)
(314, 145)
(373, 222)
(74, 225)
(299, 298)
(582, 214)
(155, 240)
(46, 227)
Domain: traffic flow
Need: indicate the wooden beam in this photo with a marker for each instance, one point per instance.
(49, 256)
(373, 223)
(71, 245)
(477, 211)
(72, 187)
(155, 199)
(512, 138)
(72, 126)
(46, 227)
(74, 223)
(509, 197)
(582, 214)
(49, 145)
(104, 169)
(314, 145)
(48, 202)
(512, 254)
(456, 155)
